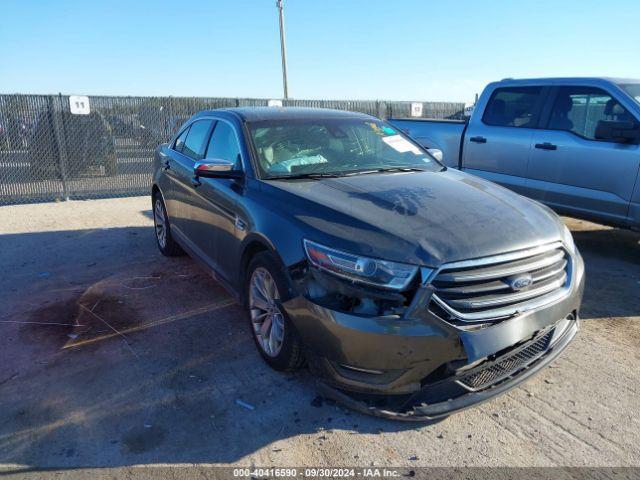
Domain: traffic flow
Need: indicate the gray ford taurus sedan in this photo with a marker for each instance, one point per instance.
(410, 289)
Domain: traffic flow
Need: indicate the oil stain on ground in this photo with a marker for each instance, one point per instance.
(50, 324)
(118, 305)
(60, 324)
(144, 438)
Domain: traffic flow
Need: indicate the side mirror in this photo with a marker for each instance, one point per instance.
(216, 168)
(436, 153)
(619, 132)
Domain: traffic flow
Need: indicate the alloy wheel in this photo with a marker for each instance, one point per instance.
(267, 319)
(160, 223)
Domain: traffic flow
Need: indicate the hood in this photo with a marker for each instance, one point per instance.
(424, 218)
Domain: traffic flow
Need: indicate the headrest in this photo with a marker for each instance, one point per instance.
(563, 104)
(613, 108)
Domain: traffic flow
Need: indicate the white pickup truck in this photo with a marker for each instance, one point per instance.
(571, 143)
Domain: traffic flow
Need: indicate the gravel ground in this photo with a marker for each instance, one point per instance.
(74, 394)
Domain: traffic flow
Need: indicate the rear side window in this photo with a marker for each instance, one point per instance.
(513, 107)
(579, 109)
(196, 141)
(223, 144)
(180, 140)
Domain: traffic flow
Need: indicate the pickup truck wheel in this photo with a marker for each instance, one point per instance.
(272, 330)
(166, 244)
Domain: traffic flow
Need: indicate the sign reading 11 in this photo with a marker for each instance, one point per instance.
(79, 104)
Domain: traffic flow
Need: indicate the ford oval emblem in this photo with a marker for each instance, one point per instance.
(518, 282)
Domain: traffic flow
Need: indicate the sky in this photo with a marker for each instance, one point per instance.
(337, 49)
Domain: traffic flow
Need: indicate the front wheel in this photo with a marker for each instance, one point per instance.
(273, 332)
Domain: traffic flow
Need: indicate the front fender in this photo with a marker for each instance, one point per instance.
(271, 230)
(278, 235)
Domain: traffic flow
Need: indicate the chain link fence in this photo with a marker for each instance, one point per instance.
(48, 153)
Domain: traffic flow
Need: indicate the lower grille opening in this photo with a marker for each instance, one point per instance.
(488, 374)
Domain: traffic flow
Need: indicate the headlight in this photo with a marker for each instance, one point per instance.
(568, 239)
(371, 271)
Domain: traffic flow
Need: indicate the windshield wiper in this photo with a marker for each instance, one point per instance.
(305, 175)
(388, 169)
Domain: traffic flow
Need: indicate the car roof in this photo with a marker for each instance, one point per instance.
(565, 80)
(254, 114)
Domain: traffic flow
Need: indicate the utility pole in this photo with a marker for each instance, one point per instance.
(283, 49)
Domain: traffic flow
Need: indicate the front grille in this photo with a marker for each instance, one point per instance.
(507, 365)
(492, 287)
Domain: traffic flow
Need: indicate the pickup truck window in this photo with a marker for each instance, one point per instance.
(633, 90)
(513, 107)
(195, 143)
(579, 109)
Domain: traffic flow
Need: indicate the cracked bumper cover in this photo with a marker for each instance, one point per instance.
(394, 355)
(425, 412)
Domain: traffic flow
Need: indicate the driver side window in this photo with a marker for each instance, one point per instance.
(224, 145)
(580, 109)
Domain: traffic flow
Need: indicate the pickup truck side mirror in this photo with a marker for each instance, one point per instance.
(216, 168)
(619, 132)
(436, 153)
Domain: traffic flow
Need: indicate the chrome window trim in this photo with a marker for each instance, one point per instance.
(505, 312)
(214, 118)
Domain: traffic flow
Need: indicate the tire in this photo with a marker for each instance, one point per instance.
(162, 229)
(286, 354)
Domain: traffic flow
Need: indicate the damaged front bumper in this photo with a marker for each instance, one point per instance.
(414, 365)
(415, 408)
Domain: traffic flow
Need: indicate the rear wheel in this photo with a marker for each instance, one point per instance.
(265, 289)
(166, 244)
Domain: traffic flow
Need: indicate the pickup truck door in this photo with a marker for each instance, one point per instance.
(572, 171)
(497, 143)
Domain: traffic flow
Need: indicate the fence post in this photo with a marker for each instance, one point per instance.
(60, 140)
(382, 110)
(170, 109)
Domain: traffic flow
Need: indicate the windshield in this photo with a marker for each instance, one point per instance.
(633, 89)
(289, 148)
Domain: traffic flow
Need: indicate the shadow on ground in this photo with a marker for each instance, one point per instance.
(113, 355)
(612, 263)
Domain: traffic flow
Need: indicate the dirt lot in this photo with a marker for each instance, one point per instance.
(163, 391)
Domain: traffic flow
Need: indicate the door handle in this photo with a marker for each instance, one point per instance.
(166, 165)
(478, 139)
(546, 146)
(195, 182)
